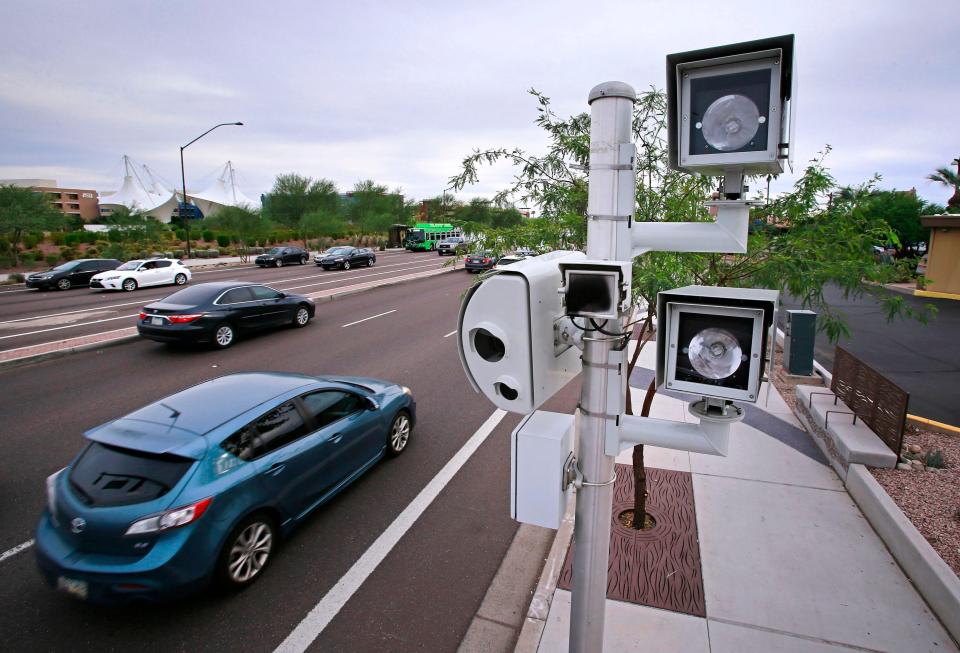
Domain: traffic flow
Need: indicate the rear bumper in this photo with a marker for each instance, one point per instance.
(171, 568)
(175, 333)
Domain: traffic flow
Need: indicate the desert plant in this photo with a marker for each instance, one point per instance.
(181, 234)
(223, 240)
(58, 238)
(935, 459)
(208, 235)
(14, 276)
(27, 258)
(51, 259)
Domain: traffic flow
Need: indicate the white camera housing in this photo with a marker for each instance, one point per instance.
(712, 342)
(505, 334)
(730, 107)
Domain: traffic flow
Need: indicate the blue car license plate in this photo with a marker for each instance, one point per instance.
(77, 588)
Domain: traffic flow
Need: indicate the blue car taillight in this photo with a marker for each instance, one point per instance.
(170, 519)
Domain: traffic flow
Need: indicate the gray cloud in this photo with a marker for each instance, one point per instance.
(400, 92)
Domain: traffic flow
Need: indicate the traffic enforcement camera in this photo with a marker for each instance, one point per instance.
(506, 336)
(713, 341)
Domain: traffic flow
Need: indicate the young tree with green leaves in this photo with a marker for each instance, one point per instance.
(373, 209)
(294, 195)
(245, 225)
(818, 243)
(22, 211)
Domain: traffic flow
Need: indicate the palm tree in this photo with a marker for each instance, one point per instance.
(948, 177)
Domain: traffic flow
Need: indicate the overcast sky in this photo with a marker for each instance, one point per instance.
(400, 92)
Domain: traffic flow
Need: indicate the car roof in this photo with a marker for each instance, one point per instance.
(187, 415)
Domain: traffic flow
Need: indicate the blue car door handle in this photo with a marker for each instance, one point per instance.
(336, 438)
(275, 469)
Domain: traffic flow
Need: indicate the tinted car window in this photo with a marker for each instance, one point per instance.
(163, 264)
(192, 296)
(105, 475)
(278, 428)
(236, 295)
(262, 292)
(329, 406)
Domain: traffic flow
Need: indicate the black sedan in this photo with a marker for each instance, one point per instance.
(71, 274)
(345, 257)
(218, 312)
(480, 261)
(279, 256)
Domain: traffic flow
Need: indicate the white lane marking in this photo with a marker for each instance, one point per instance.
(7, 292)
(9, 553)
(82, 310)
(70, 326)
(343, 278)
(323, 612)
(368, 318)
(450, 334)
(99, 333)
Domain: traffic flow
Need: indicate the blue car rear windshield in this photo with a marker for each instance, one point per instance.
(105, 475)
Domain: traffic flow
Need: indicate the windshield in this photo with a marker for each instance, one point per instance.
(274, 250)
(130, 265)
(105, 475)
(339, 250)
(416, 235)
(193, 296)
(64, 267)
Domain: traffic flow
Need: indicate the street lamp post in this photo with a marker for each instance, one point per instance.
(183, 177)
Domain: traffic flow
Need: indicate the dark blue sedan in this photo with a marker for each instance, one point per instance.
(200, 485)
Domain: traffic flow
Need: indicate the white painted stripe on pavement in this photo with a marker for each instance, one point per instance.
(70, 326)
(450, 334)
(9, 553)
(368, 318)
(89, 309)
(323, 613)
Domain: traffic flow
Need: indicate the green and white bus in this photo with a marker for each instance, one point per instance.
(424, 236)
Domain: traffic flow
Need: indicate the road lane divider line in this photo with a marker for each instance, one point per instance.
(450, 334)
(301, 637)
(363, 276)
(69, 326)
(91, 309)
(9, 553)
(368, 318)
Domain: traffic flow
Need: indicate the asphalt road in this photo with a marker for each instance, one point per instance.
(428, 588)
(922, 359)
(30, 316)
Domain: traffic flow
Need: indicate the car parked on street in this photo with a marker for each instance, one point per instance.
(142, 272)
(71, 274)
(452, 245)
(480, 261)
(509, 259)
(345, 257)
(219, 312)
(201, 485)
(280, 256)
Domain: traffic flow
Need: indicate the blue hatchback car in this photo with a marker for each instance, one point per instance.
(202, 484)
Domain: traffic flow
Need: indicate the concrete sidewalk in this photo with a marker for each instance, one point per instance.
(789, 562)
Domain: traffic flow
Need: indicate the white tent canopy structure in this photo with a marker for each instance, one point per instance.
(136, 195)
(222, 192)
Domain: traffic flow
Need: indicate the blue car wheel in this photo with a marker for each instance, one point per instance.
(247, 551)
(399, 435)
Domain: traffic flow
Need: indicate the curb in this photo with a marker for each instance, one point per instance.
(539, 611)
(930, 575)
(72, 349)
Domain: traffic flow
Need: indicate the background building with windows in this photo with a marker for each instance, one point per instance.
(76, 202)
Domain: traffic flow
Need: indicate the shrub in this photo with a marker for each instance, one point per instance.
(208, 235)
(181, 234)
(91, 237)
(69, 253)
(935, 459)
(27, 258)
(4, 245)
(58, 238)
(13, 276)
(30, 241)
(114, 236)
(51, 259)
(223, 240)
(72, 238)
(6, 261)
(178, 253)
(92, 252)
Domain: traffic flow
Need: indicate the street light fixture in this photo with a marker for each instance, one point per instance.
(183, 179)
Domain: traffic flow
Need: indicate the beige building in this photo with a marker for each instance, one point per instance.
(943, 257)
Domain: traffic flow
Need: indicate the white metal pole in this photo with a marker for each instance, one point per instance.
(610, 205)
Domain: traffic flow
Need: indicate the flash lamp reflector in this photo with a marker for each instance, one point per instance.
(715, 353)
(730, 122)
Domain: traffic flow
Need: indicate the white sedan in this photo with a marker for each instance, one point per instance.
(150, 272)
